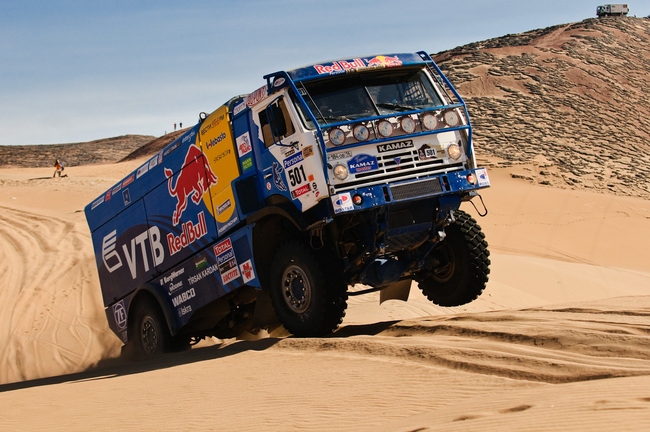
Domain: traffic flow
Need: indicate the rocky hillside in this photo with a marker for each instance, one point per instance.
(106, 150)
(570, 104)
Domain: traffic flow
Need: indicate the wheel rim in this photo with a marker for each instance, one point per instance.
(296, 289)
(149, 335)
(445, 266)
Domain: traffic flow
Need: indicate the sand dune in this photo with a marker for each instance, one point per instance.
(559, 340)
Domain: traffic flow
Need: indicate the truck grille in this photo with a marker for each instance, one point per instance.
(399, 167)
(416, 189)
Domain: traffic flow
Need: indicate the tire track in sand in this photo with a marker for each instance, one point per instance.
(51, 316)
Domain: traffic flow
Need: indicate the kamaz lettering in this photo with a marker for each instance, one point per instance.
(400, 145)
(263, 214)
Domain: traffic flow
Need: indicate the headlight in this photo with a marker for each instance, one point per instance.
(337, 136)
(454, 151)
(361, 133)
(430, 122)
(385, 128)
(341, 172)
(452, 119)
(408, 125)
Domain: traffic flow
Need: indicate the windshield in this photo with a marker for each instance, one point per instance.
(363, 95)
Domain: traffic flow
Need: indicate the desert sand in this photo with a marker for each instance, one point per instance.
(559, 341)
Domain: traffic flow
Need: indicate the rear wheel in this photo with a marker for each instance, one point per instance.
(308, 298)
(148, 334)
(460, 264)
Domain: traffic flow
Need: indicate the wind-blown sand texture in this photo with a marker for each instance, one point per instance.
(559, 341)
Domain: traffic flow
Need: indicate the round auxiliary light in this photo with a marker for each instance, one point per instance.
(385, 128)
(407, 124)
(471, 178)
(357, 199)
(361, 133)
(452, 119)
(337, 136)
(430, 122)
(454, 151)
(341, 172)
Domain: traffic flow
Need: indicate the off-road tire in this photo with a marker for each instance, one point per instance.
(307, 296)
(148, 333)
(461, 267)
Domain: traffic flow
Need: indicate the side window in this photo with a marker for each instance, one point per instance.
(275, 122)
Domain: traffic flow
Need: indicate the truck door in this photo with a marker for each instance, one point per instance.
(291, 162)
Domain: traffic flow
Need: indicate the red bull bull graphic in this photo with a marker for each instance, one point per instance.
(193, 181)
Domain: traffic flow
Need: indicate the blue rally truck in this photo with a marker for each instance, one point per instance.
(264, 213)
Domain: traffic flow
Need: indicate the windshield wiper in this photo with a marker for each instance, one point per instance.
(396, 107)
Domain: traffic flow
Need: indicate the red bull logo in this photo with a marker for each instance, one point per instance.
(192, 182)
(384, 61)
(344, 66)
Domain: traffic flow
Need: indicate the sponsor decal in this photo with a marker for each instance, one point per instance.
(190, 233)
(308, 151)
(247, 272)
(127, 181)
(183, 297)
(168, 150)
(170, 279)
(339, 155)
(188, 137)
(205, 272)
(119, 313)
(277, 177)
(426, 152)
(108, 195)
(279, 82)
(223, 207)
(290, 161)
(221, 155)
(175, 286)
(300, 191)
(400, 145)
(193, 181)
(142, 170)
(130, 251)
(342, 203)
(256, 96)
(126, 197)
(340, 66)
(216, 140)
(247, 163)
(244, 144)
(483, 179)
(200, 263)
(99, 201)
(226, 261)
(383, 61)
(153, 162)
(117, 188)
(238, 108)
(361, 163)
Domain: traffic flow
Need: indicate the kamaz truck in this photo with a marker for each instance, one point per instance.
(346, 173)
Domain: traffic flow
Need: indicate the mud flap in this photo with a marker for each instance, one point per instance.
(396, 291)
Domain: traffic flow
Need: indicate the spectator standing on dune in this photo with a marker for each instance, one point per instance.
(58, 168)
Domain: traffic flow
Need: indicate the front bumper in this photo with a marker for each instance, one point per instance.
(453, 183)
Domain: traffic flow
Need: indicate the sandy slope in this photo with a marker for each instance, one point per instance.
(559, 341)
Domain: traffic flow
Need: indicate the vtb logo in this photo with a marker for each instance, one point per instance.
(193, 182)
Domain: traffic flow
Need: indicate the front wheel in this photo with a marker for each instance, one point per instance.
(308, 298)
(460, 264)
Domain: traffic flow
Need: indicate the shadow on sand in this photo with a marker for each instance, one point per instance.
(116, 367)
